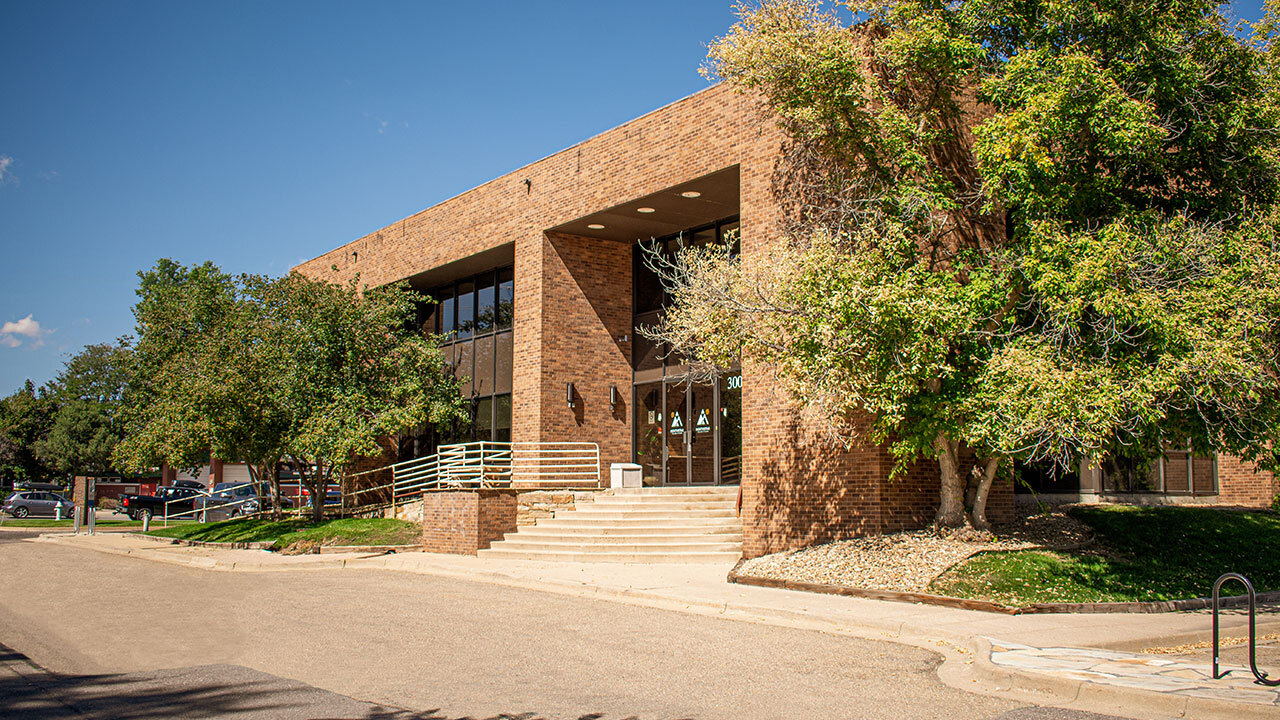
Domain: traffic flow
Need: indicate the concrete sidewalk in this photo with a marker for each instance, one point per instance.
(1088, 662)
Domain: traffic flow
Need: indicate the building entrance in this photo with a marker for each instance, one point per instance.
(689, 432)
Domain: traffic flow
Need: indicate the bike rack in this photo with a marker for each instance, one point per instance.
(1253, 630)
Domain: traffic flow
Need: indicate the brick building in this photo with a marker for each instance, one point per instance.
(540, 285)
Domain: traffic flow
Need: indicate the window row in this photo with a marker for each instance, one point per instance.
(649, 293)
(471, 307)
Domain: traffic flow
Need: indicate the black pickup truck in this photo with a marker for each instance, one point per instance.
(178, 500)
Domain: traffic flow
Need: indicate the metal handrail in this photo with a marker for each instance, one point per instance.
(1253, 629)
(487, 464)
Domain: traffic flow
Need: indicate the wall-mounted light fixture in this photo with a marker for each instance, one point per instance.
(613, 397)
(568, 393)
(355, 256)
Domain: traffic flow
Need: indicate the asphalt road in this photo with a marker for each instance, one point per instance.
(441, 648)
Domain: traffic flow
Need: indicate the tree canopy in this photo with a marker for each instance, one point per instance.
(86, 425)
(261, 369)
(1040, 231)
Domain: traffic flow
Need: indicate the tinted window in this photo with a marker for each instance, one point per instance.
(447, 325)
(484, 305)
(506, 298)
(466, 309)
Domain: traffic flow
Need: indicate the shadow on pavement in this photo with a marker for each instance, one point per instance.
(30, 692)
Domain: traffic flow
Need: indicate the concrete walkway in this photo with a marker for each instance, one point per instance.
(1087, 662)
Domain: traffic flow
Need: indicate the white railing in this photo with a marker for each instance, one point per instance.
(484, 464)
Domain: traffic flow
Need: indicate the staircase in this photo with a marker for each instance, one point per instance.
(644, 525)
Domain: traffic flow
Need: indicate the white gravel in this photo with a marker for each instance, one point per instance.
(909, 561)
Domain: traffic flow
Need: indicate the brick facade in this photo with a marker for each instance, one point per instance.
(463, 522)
(1242, 483)
(573, 311)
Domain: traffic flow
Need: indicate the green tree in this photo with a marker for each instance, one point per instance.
(86, 425)
(352, 372)
(262, 369)
(1034, 230)
(201, 382)
(25, 417)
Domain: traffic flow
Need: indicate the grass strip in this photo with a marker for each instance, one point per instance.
(48, 523)
(1141, 554)
(346, 531)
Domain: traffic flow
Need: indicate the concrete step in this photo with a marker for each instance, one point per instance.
(717, 539)
(564, 528)
(516, 543)
(622, 514)
(620, 557)
(722, 490)
(585, 521)
(647, 503)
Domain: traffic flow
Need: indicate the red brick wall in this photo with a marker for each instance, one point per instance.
(586, 291)
(463, 522)
(1242, 483)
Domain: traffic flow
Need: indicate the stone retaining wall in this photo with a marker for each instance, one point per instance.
(538, 505)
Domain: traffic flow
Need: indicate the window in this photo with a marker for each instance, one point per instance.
(474, 318)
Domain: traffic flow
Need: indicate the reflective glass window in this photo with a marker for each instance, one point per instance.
(447, 324)
(484, 305)
(483, 378)
(505, 314)
(503, 361)
(502, 418)
(466, 309)
(484, 418)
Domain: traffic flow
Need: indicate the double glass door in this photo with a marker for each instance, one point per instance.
(689, 433)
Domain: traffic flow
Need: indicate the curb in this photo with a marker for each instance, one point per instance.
(209, 563)
(1156, 606)
(323, 549)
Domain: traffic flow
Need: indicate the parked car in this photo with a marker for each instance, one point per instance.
(167, 501)
(228, 500)
(32, 503)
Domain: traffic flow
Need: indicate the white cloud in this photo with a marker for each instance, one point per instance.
(5, 162)
(12, 334)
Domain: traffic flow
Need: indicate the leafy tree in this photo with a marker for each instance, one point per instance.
(1035, 230)
(201, 383)
(261, 369)
(352, 372)
(25, 417)
(86, 425)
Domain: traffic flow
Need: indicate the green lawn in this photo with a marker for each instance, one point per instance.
(348, 531)
(51, 523)
(1141, 553)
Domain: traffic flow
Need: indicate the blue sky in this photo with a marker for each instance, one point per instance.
(261, 134)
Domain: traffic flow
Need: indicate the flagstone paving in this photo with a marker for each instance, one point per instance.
(1146, 672)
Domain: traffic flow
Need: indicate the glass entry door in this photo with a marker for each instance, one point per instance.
(689, 433)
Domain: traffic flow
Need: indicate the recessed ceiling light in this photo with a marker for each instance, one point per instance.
(691, 194)
(645, 210)
(596, 226)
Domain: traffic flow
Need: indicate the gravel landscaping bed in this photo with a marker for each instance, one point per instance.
(909, 561)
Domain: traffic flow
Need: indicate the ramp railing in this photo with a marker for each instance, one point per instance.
(481, 464)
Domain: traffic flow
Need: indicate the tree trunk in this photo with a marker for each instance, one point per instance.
(989, 467)
(951, 511)
(277, 512)
(318, 487)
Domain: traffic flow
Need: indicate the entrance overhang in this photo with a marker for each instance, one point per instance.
(695, 202)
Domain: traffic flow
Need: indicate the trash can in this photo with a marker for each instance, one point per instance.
(626, 475)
